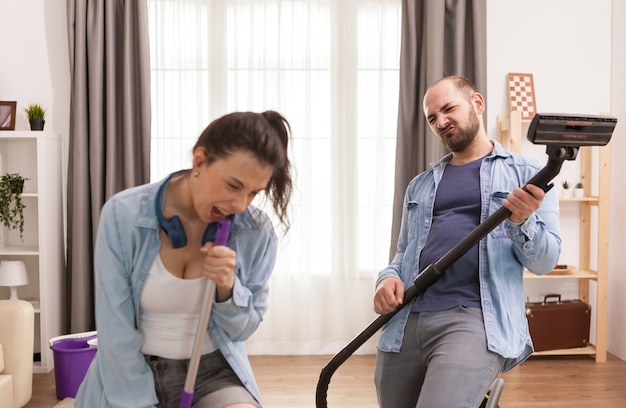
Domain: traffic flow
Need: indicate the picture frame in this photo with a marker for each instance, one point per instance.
(7, 115)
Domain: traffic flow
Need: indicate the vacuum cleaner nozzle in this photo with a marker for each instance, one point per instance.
(571, 129)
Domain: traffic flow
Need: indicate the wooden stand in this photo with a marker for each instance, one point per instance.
(510, 136)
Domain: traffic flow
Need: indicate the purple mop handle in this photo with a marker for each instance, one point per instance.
(221, 238)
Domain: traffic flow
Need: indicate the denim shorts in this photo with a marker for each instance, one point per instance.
(216, 384)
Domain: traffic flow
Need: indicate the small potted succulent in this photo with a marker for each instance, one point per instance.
(11, 205)
(36, 116)
(566, 191)
(579, 190)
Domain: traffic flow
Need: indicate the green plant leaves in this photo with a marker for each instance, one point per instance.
(35, 111)
(11, 206)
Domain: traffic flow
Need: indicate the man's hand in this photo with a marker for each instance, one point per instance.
(389, 295)
(523, 203)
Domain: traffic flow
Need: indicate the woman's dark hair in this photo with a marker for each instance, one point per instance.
(266, 135)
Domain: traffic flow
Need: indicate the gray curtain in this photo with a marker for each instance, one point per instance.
(109, 144)
(439, 38)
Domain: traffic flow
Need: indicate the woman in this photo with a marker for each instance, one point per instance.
(154, 255)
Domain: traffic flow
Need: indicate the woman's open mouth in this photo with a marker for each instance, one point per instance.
(218, 213)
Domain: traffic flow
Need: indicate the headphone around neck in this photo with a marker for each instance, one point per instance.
(174, 226)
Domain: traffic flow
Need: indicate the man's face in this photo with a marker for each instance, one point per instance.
(451, 115)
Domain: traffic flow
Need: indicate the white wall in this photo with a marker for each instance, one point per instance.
(574, 48)
(617, 275)
(34, 67)
(35, 62)
(571, 63)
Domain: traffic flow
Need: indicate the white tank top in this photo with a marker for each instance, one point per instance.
(169, 311)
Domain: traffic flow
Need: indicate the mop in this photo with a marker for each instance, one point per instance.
(221, 238)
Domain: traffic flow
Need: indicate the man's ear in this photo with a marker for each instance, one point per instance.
(479, 103)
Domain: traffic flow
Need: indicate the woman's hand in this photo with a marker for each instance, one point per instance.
(219, 266)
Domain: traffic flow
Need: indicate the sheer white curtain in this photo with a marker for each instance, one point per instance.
(331, 68)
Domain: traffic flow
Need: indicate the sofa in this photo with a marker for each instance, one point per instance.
(17, 331)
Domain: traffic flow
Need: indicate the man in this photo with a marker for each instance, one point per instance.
(447, 347)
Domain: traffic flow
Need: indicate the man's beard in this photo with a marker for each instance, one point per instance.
(462, 137)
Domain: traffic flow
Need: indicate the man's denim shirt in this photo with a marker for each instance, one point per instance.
(127, 244)
(503, 253)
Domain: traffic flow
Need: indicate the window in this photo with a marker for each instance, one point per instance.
(331, 68)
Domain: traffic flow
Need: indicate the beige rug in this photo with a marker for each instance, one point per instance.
(66, 403)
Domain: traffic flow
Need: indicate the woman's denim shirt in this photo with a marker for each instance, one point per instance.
(127, 244)
(503, 253)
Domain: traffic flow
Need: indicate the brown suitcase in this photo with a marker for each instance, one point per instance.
(556, 324)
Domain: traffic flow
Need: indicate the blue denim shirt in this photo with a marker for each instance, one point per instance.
(127, 244)
(503, 254)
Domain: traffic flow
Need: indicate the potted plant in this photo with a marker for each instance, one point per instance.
(579, 190)
(566, 191)
(36, 116)
(11, 205)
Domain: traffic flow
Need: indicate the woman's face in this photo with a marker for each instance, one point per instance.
(228, 185)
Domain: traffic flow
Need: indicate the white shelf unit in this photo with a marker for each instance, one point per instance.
(37, 157)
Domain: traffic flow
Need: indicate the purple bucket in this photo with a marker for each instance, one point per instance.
(72, 358)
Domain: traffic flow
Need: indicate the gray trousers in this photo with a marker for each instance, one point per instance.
(443, 362)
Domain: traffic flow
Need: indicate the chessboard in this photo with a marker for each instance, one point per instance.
(522, 94)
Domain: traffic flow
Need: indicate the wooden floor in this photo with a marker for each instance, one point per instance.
(291, 381)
